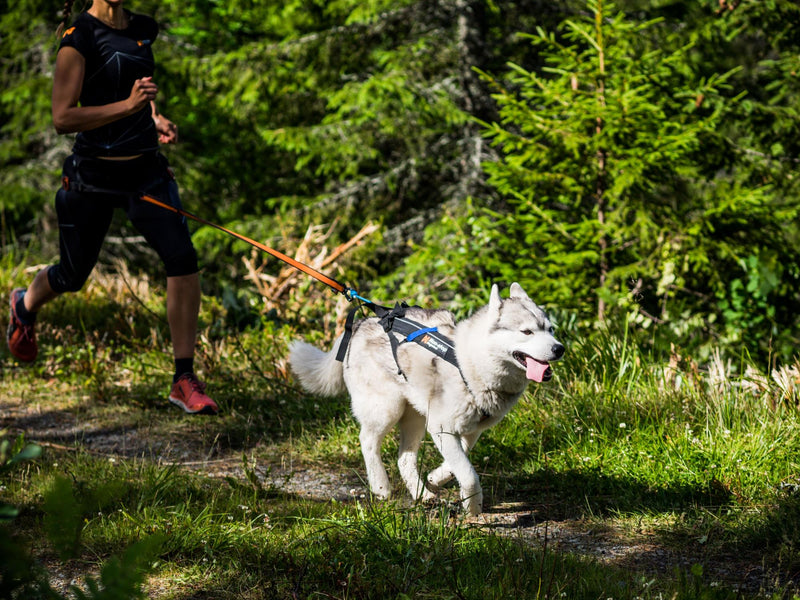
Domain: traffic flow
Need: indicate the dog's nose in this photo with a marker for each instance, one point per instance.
(557, 350)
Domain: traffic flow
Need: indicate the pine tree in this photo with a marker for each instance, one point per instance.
(600, 166)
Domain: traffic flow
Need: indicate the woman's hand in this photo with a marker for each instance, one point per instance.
(143, 92)
(167, 130)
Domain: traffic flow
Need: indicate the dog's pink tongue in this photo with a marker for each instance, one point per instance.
(536, 369)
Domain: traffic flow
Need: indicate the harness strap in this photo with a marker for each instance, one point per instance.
(412, 336)
(427, 337)
(393, 321)
(348, 332)
(384, 313)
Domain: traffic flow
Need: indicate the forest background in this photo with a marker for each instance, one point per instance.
(631, 164)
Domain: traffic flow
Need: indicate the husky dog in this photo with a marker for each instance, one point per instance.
(498, 350)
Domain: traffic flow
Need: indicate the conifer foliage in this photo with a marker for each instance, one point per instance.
(635, 158)
(616, 195)
(598, 150)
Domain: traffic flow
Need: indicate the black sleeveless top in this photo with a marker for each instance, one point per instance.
(115, 58)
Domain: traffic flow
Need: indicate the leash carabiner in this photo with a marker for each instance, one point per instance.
(351, 295)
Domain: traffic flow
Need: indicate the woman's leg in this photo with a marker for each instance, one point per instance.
(39, 292)
(183, 307)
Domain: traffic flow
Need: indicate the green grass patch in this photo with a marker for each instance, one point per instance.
(231, 541)
(701, 464)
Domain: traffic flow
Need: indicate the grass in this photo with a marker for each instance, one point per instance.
(697, 460)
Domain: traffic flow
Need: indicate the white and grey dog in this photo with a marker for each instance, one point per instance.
(498, 350)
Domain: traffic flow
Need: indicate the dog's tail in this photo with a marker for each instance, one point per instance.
(319, 372)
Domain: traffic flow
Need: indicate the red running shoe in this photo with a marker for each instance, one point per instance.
(21, 337)
(189, 393)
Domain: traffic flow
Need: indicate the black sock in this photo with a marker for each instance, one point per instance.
(182, 367)
(23, 314)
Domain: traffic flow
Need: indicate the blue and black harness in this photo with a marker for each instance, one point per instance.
(393, 320)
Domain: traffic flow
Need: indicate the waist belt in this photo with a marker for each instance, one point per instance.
(77, 184)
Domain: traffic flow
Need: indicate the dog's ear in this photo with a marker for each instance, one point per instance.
(494, 303)
(516, 291)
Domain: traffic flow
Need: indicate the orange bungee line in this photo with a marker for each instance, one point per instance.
(349, 293)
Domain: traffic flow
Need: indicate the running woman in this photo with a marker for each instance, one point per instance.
(103, 90)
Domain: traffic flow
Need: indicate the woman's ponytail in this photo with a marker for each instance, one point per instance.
(66, 13)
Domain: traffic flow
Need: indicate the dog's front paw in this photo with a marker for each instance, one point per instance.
(438, 478)
(428, 495)
(382, 494)
(473, 503)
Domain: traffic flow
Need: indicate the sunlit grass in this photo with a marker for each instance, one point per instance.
(695, 457)
(262, 544)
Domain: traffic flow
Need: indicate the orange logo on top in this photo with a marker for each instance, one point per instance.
(68, 31)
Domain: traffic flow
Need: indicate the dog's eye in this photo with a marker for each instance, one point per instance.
(527, 332)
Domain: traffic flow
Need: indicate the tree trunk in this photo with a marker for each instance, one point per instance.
(600, 199)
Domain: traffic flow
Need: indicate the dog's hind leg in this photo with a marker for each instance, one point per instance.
(371, 440)
(371, 450)
(412, 430)
(440, 476)
(377, 420)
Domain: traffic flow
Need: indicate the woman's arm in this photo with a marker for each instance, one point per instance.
(68, 117)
